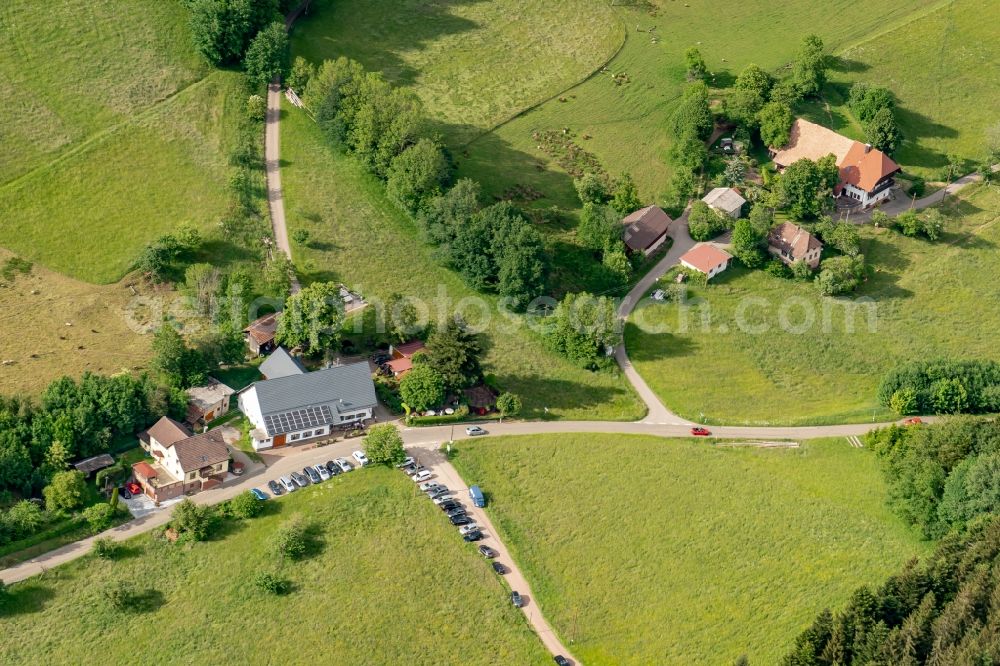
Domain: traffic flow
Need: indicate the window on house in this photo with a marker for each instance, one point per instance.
(192, 475)
(294, 437)
(307, 433)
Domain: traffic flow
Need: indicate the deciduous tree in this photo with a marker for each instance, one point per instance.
(417, 174)
(313, 317)
(422, 388)
(600, 227)
(384, 444)
(809, 69)
(65, 492)
(775, 120)
(696, 69)
(508, 404)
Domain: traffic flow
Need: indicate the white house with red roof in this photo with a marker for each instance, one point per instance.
(706, 258)
(865, 172)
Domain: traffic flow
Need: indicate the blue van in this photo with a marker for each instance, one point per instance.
(477, 496)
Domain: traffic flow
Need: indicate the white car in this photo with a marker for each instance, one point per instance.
(343, 464)
(423, 476)
(360, 457)
(410, 460)
(323, 472)
(472, 431)
(429, 485)
(287, 483)
(443, 499)
(466, 529)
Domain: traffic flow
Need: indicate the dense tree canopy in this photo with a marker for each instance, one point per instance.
(312, 318)
(704, 223)
(840, 275)
(805, 187)
(417, 175)
(267, 56)
(422, 387)
(454, 353)
(443, 217)
(583, 327)
(222, 29)
(600, 227)
(775, 119)
(809, 69)
(694, 115)
(384, 445)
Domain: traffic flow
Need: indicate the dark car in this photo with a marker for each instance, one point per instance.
(457, 511)
(561, 660)
(487, 552)
(312, 474)
(499, 568)
(333, 468)
(473, 536)
(275, 488)
(300, 481)
(125, 493)
(448, 506)
(440, 492)
(460, 519)
(516, 599)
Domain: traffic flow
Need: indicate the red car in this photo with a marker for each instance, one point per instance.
(133, 487)
(913, 420)
(700, 432)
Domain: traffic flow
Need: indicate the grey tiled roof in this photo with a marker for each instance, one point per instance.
(281, 364)
(345, 388)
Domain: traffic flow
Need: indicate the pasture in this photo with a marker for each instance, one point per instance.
(115, 132)
(743, 350)
(371, 590)
(643, 550)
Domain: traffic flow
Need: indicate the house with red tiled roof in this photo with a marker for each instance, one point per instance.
(790, 243)
(865, 172)
(402, 357)
(181, 462)
(706, 258)
(259, 335)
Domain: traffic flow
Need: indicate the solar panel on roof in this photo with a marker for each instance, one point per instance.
(298, 419)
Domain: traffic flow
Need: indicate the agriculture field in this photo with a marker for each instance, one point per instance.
(372, 593)
(115, 132)
(929, 300)
(52, 325)
(474, 64)
(625, 124)
(361, 239)
(642, 550)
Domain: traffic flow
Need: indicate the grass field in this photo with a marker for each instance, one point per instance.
(944, 68)
(642, 550)
(930, 299)
(474, 64)
(361, 239)
(52, 325)
(374, 593)
(115, 132)
(627, 124)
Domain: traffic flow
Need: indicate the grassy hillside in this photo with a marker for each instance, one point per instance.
(372, 593)
(474, 64)
(928, 299)
(642, 550)
(360, 238)
(52, 325)
(625, 125)
(115, 132)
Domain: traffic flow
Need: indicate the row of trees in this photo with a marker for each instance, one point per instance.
(942, 386)
(227, 32)
(946, 611)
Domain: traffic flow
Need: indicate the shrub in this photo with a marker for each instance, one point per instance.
(800, 270)
(194, 520)
(840, 275)
(256, 107)
(118, 594)
(65, 492)
(778, 269)
(106, 548)
(904, 401)
(271, 583)
(98, 516)
(291, 539)
(245, 506)
(704, 223)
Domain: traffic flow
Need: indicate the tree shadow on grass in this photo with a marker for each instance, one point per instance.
(668, 345)
(842, 64)
(147, 601)
(26, 598)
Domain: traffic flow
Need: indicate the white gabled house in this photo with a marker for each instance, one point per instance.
(304, 406)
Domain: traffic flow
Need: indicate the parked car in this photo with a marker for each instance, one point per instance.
(460, 520)
(476, 495)
(457, 511)
(433, 489)
(561, 660)
(438, 492)
(287, 483)
(516, 599)
(258, 493)
(360, 457)
(499, 568)
(487, 552)
(427, 486)
(473, 431)
(423, 476)
(413, 470)
(300, 480)
(344, 465)
(465, 529)
(700, 432)
(409, 460)
(333, 468)
(473, 536)
(913, 420)
(133, 488)
(448, 506)
(444, 498)
(275, 487)
(125, 493)
(312, 474)
(323, 472)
